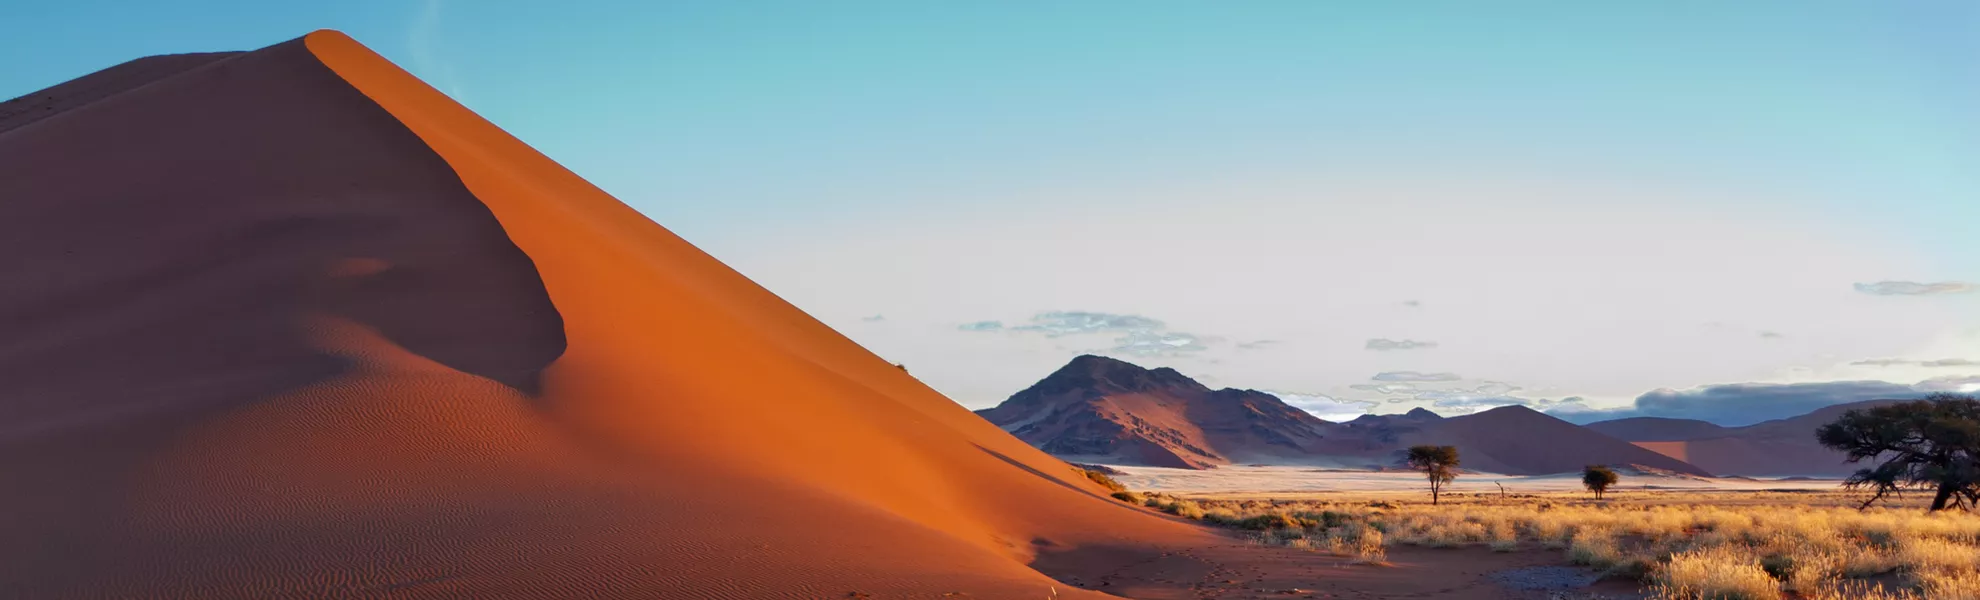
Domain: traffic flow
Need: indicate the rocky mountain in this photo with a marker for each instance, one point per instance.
(1778, 447)
(1098, 409)
(1101, 409)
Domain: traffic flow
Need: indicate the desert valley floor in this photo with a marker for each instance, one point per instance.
(1488, 542)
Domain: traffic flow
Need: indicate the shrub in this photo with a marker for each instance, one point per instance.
(1368, 548)
(1634, 568)
(1716, 573)
(1184, 508)
(1135, 498)
(1271, 521)
(1104, 480)
(1777, 566)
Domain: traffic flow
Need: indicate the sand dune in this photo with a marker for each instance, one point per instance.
(290, 323)
(1520, 440)
(1777, 447)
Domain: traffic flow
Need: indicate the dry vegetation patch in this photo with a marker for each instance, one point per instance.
(1679, 551)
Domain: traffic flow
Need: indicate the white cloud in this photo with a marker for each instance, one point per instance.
(1414, 376)
(1133, 335)
(1384, 345)
(1385, 388)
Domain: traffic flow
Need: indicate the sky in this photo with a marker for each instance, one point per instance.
(1728, 211)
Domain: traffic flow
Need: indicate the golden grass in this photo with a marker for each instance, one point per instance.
(1716, 573)
(1681, 551)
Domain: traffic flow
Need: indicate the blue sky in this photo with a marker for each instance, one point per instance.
(1561, 200)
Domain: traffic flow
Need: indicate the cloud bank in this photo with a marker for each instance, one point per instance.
(1913, 288)
(1739, 404)
(1894, 362)
(1134, 335)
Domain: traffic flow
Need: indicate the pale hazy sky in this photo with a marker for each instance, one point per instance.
(1358, 205)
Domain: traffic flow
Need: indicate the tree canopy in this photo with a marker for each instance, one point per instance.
(1438, 463)
(1931, 444)
(1598, 478)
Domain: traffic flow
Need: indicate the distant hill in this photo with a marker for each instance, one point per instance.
(1777, 447)
(1098, 409)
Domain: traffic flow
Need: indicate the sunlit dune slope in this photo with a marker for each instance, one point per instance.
(290, 323)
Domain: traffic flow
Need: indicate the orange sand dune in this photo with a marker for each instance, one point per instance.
(290, 323)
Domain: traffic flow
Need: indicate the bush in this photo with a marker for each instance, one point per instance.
(1220, 516)
(1778, 566)
(1134, 498)
(1104, 480)
(1182, 508)
(1594, 548)
(1368, 547)
(1271, 521)
(1633, 568)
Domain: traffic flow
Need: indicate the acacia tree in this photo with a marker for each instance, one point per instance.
(1439, 463)
(1598, 478)
(1932, 443)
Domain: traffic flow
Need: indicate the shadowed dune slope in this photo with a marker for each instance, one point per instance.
(1657, 429)
(290, 323)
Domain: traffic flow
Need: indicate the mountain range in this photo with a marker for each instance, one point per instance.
(1098, 409)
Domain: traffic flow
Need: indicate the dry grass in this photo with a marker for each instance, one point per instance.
(1105, 480)
(1736, 551)
(1716, 573)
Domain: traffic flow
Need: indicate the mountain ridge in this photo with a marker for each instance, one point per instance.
(1097, 409)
